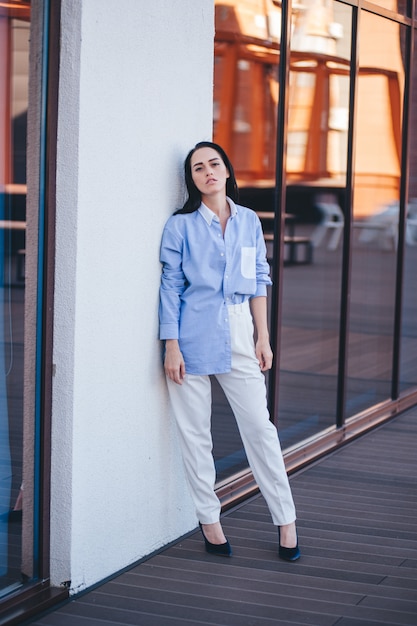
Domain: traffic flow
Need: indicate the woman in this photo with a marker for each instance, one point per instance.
(212, 298)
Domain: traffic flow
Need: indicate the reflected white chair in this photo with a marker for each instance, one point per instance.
(384, 226)
(332, 220)
(381, 227)
(411, 223)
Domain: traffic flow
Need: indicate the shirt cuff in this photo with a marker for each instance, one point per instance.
(260, 291)
(168, 331)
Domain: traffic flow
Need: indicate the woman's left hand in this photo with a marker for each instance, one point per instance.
(262, 346)
(264, 354)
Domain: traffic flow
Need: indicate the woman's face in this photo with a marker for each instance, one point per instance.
(208, 171)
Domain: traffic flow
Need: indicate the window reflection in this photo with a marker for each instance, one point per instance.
(246, 87)
(14, 52)
(316, 176)
(245, 124)
(375, 212)
(319, 84)
(245, 101)
(316, 213)
(398, 6)
(408, 365)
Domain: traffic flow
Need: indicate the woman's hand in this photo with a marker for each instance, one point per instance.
(174, 363)
(262, 347)
(264, 354)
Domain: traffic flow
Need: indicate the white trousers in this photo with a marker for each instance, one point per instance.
(244, 388)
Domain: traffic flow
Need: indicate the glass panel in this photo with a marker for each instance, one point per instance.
(14, 53)
(375, 212)
(316, 177)
(245, 104)
(408, 364)
(398, 6)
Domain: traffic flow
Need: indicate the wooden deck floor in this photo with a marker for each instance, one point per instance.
(358, 534)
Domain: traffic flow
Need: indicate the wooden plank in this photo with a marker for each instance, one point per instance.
(356, 525)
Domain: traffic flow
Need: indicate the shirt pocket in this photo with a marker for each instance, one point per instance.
(248, 262)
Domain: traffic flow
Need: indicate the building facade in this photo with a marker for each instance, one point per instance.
(316, 104)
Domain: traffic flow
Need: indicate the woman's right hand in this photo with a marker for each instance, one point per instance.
(174, 363)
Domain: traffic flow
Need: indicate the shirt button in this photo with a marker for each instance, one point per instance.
(221, 253)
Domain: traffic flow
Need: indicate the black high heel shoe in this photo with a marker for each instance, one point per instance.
(221, 549)
(288, 554)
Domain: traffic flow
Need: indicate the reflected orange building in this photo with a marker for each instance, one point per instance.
(246, 91)
(246, 85)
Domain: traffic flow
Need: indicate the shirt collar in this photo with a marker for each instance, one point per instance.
(209, 215)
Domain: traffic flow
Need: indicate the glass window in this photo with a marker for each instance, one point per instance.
(398, 6)
(246, 97)
(318, 99)
(245, 124)
(314, 218)
(14, 54)
(375, 212)
(408, 369)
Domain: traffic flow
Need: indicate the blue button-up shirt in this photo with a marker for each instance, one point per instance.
(204, 271)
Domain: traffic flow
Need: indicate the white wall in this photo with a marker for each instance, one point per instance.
(135, 95)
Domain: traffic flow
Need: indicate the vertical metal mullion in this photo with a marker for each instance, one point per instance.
(395, 383)
(39, 303)
(279, 203)
(45, 281)
(347, 234)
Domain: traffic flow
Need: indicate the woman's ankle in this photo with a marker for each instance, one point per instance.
(214, 533)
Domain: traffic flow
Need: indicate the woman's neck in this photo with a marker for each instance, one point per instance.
(218, 204)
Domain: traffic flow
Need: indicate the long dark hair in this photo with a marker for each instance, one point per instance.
(194, 195)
